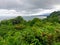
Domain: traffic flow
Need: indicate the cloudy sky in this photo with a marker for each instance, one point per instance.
(28, 7)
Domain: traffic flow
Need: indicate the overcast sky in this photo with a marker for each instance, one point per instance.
(28, 7)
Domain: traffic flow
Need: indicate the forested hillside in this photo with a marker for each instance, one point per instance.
(18, 31)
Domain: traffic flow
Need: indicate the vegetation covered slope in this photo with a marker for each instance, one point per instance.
(18, 31)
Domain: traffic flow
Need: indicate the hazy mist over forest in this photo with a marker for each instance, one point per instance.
(13, 8)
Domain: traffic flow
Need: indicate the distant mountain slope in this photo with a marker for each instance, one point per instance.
(54, 17)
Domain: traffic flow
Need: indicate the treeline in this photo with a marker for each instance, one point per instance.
(18, 31)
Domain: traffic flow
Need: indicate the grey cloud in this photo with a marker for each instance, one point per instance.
(28, 5)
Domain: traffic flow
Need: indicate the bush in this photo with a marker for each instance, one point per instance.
(19, 27)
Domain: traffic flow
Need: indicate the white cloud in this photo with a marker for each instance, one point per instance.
(6, 12)
(56, 7)
(45, 11)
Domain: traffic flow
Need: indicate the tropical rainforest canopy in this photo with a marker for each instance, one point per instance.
(18, 31)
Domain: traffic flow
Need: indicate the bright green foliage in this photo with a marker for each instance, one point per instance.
(17, 31)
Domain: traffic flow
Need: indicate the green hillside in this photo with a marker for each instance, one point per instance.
(18, 31)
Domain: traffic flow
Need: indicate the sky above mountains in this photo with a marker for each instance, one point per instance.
(28, 7)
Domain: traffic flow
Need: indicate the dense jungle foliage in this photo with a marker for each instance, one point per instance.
(18, 31)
